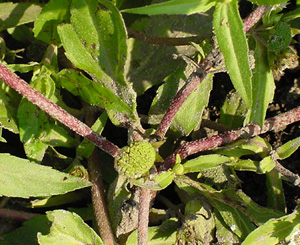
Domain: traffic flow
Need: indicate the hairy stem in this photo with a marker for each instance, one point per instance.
(254, 17)
(177, 102)
(272, 124)
(55, 111)
(143, 219)
(196, 78)
(15, 214)
(98, 199)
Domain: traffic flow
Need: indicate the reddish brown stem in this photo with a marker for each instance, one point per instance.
(15, 214)
(98, 199)
(55, 111)
(143, 219)
(196, 78)
(163, 41)
(272, 124)
(254, 17)
(177, 102)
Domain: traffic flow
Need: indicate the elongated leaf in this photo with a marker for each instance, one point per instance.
(192, 108)
(262, 86)
(288, 148)
(92, 92)
(276, 198)
(14, 14)
(53, 14)
(267, 2)
(68, 228)
(204, 162)
(272, 232)
(22, 178)
(96, 39)
(190, 113)
(174, 7)
(232, 41)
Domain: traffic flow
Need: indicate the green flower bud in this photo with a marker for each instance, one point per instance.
(135, 160)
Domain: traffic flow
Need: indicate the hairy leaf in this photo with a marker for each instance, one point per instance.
(262, 86)
(15, 14)
(95, 41)
(68, 228)
(267, 2)
(232, 41)
(174, 7)
(285, 228)
(92, 92)
(288, 148)
(204, 162)
(53, 14)
(22, 178)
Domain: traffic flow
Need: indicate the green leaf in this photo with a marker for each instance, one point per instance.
(194, 105)
(92, 92)
(95, 41)
(165, 234)
(267, 2)
(27, 233)
(233, 110)
(291, 15)
(53, 13)
(86, 147)
(15, 14)
(142, 55)
(263, 86)
(193, 108)
(159, 181)
(233, 44)
(204, 162)
(285, 228)
(267, 164)
(68, 228)
(37, 129)
(288, 148)
(276, 198)
(25, 179)
(174, 7)
(9, 101)
(245, 165)
(281, 38)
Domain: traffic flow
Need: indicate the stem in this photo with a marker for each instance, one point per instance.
(55, 111)
(163, 41)
(98, 199)
(15, 214)
(177, 102)
(272, 124)
(196, 78)
(144, 205)
(254, 17)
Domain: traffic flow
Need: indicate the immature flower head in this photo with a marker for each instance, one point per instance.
(135, 160)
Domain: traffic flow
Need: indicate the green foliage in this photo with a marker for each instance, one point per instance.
(233, 44)
(99, 80)
(34, 180)
(68, 228)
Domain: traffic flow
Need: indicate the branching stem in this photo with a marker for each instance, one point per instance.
(272, 124)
